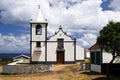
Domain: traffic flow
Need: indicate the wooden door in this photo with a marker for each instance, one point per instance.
(60, 57)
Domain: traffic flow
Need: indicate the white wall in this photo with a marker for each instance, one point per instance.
(79, 53)
(69, 51)
(107, 57)
(52, 54)
(95, 68)
(38, 37)
(117, 60)
(51, 51)
(38, 56)
(87, 54)
(24, 60)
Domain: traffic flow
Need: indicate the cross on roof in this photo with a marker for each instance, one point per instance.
(38, 6)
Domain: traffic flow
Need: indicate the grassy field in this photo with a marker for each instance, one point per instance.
(61, 72)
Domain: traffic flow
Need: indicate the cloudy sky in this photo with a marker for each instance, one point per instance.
(82, 19)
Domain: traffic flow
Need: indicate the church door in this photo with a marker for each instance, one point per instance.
(60, 57)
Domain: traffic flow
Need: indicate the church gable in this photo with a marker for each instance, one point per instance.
(60, 35)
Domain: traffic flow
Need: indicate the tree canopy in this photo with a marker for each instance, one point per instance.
(110, 38)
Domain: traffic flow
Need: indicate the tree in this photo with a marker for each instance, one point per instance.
(109, 38)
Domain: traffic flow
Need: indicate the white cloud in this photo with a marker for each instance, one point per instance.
(115, 4)
(82, 16)
(87, 40)
(1, 40)
(11, 43)
(16, 11)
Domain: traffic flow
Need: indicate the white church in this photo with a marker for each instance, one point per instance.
(58, 49)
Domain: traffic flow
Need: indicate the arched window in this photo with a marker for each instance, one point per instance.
(38, 30)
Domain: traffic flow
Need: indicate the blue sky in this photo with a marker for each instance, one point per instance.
(16, 30)
(82, 19)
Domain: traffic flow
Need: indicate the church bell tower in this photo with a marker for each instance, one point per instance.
(38, 38)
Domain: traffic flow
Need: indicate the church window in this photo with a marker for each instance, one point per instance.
(38, 44)
(38, 30)
(60, 44)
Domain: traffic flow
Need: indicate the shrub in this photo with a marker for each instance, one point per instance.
(5, 61)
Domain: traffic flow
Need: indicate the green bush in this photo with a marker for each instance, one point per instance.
(5, 61)
(87, 64)
(86, 61)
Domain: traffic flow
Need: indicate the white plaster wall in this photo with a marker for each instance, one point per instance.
(38, 37)
(52, 55)
(24, 60)
(79, 53)
(69, 51)
(107, 57)
(87, 54)
(38, 56)
(117, 59)
(60, 34)
(51, 51)
(95, 68)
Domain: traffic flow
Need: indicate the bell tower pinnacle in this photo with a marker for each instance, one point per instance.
(38, 17)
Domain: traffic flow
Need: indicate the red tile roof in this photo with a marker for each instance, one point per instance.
(94, 47)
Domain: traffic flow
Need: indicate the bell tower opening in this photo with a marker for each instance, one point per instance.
(38, 29)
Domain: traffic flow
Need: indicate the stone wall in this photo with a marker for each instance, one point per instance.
(16, 69)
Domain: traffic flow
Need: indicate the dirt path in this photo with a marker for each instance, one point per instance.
(61, 72)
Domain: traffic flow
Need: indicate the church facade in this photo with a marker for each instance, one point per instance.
(58, 49)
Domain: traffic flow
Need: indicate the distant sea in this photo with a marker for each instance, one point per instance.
(11, 55)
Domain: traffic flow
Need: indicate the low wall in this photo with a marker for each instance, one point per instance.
(114, 69)
(95, 68)
(16, 69)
